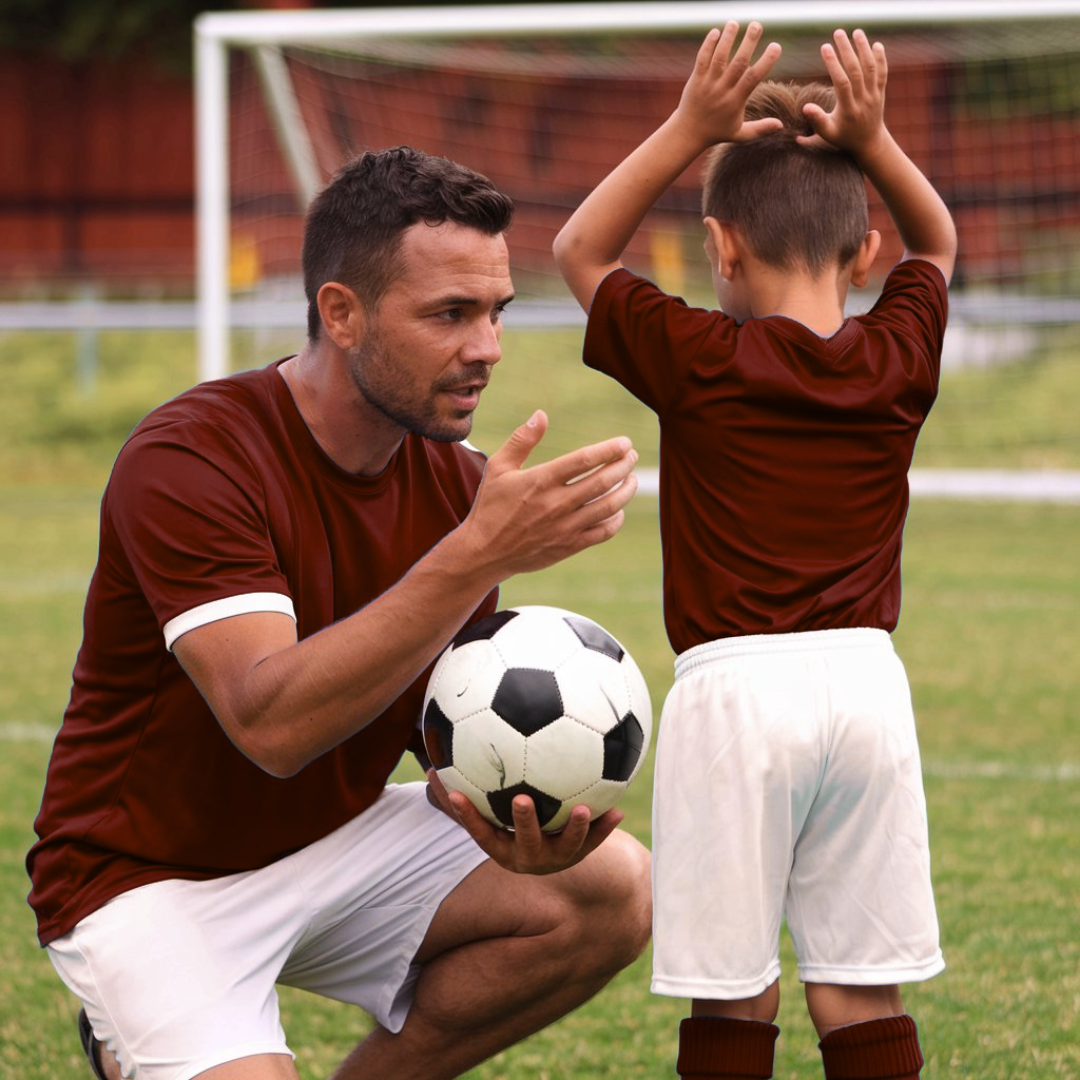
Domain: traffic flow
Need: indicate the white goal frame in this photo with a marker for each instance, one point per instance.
(265, 32)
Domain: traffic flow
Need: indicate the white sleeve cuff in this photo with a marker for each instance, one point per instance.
(245, 604)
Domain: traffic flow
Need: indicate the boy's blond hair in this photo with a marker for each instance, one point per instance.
(796, 206)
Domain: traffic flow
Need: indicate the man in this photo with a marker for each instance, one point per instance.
(283, 555)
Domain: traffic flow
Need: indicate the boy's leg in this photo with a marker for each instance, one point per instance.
(731, 1039)
(865, 1034)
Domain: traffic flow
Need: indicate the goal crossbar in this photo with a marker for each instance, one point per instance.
(263, 32)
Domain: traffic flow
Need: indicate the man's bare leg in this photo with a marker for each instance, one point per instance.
(507, 954)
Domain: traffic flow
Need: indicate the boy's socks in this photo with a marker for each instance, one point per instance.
(885, 1049)
(714, 1046)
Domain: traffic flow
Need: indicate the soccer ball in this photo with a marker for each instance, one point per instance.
(537, 701)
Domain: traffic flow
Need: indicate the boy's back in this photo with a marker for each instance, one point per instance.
(784, 455)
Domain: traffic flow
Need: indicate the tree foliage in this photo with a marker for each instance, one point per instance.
(76, 31)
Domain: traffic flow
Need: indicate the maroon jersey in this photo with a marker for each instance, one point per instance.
(221, 502)
(783, 455)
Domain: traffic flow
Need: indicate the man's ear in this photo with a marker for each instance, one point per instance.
(724, 246)
(864, 259)
(342, 314)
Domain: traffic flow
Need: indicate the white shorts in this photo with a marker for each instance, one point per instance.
(178, 976)
(788, 785)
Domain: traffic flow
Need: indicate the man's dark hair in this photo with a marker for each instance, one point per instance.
(354, 226)
(795, 205)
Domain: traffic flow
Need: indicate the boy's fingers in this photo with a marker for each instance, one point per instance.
(881, 63)
(707, 52)
(870, 57)
(765, 62)
(755, 129)
(849, 58)
(726, 41)
(837, 73)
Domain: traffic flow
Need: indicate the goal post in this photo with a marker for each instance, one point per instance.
(546, 98)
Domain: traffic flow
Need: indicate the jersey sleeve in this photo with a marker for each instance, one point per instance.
(914, 304)
(646, 339)
(188, 510)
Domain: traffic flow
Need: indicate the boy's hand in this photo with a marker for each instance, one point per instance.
(859, 72)
(712, 109)
(713, 103)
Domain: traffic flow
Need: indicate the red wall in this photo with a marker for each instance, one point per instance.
(96, 174)
(97, 165)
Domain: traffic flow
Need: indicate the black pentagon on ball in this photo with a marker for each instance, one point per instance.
(485, 629)
(501, 803)
(622, 748)
(594, 637)
(438, 736)
(528, 699)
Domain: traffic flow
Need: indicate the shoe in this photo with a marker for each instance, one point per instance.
(91, 1047)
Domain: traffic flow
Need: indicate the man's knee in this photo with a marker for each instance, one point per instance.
(617, 910)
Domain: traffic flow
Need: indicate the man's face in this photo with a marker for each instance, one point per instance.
(431, 342)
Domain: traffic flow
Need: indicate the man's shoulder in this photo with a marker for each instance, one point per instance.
(218, 412)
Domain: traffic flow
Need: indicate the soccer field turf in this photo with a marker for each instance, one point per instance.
(989, 636)
(988, 632)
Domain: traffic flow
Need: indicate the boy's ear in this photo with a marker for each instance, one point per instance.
(342, 314)
(864, 259)
(724, 246)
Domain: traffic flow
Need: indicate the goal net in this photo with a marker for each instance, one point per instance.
(545, 100)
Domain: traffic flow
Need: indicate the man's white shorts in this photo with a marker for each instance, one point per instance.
(179, 976)
(788, 784)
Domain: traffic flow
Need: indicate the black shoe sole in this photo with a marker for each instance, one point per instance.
(90, 1045)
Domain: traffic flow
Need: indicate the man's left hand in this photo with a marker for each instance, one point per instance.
(526, 849)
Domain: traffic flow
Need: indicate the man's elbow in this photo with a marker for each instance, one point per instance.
(267, 747)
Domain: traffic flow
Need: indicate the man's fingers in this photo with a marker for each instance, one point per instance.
(581, 463)
(606, 478)
(522, 441)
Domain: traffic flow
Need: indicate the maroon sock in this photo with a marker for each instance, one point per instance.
(885, 1049)
(718, 1046)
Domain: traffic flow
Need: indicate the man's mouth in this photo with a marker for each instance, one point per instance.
(467, 395)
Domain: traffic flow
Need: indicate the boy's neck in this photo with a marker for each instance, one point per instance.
(816, 302)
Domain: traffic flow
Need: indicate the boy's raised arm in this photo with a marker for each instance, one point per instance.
(710, 111)
(859, 73)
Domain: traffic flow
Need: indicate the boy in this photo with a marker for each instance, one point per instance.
(788, 781)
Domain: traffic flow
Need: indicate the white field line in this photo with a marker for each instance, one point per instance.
(1008, 485)
(22, 731)
(1064, 772)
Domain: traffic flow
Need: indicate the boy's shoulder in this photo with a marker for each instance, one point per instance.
(910, 274)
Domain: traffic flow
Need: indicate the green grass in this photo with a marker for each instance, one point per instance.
(988, 634)
(1013, 416)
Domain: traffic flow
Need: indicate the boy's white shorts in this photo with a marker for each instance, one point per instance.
(788, 785)
(178, 976)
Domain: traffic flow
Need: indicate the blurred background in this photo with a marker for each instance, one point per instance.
(98, 315)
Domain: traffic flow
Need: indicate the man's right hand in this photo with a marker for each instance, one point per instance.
(526, 519)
